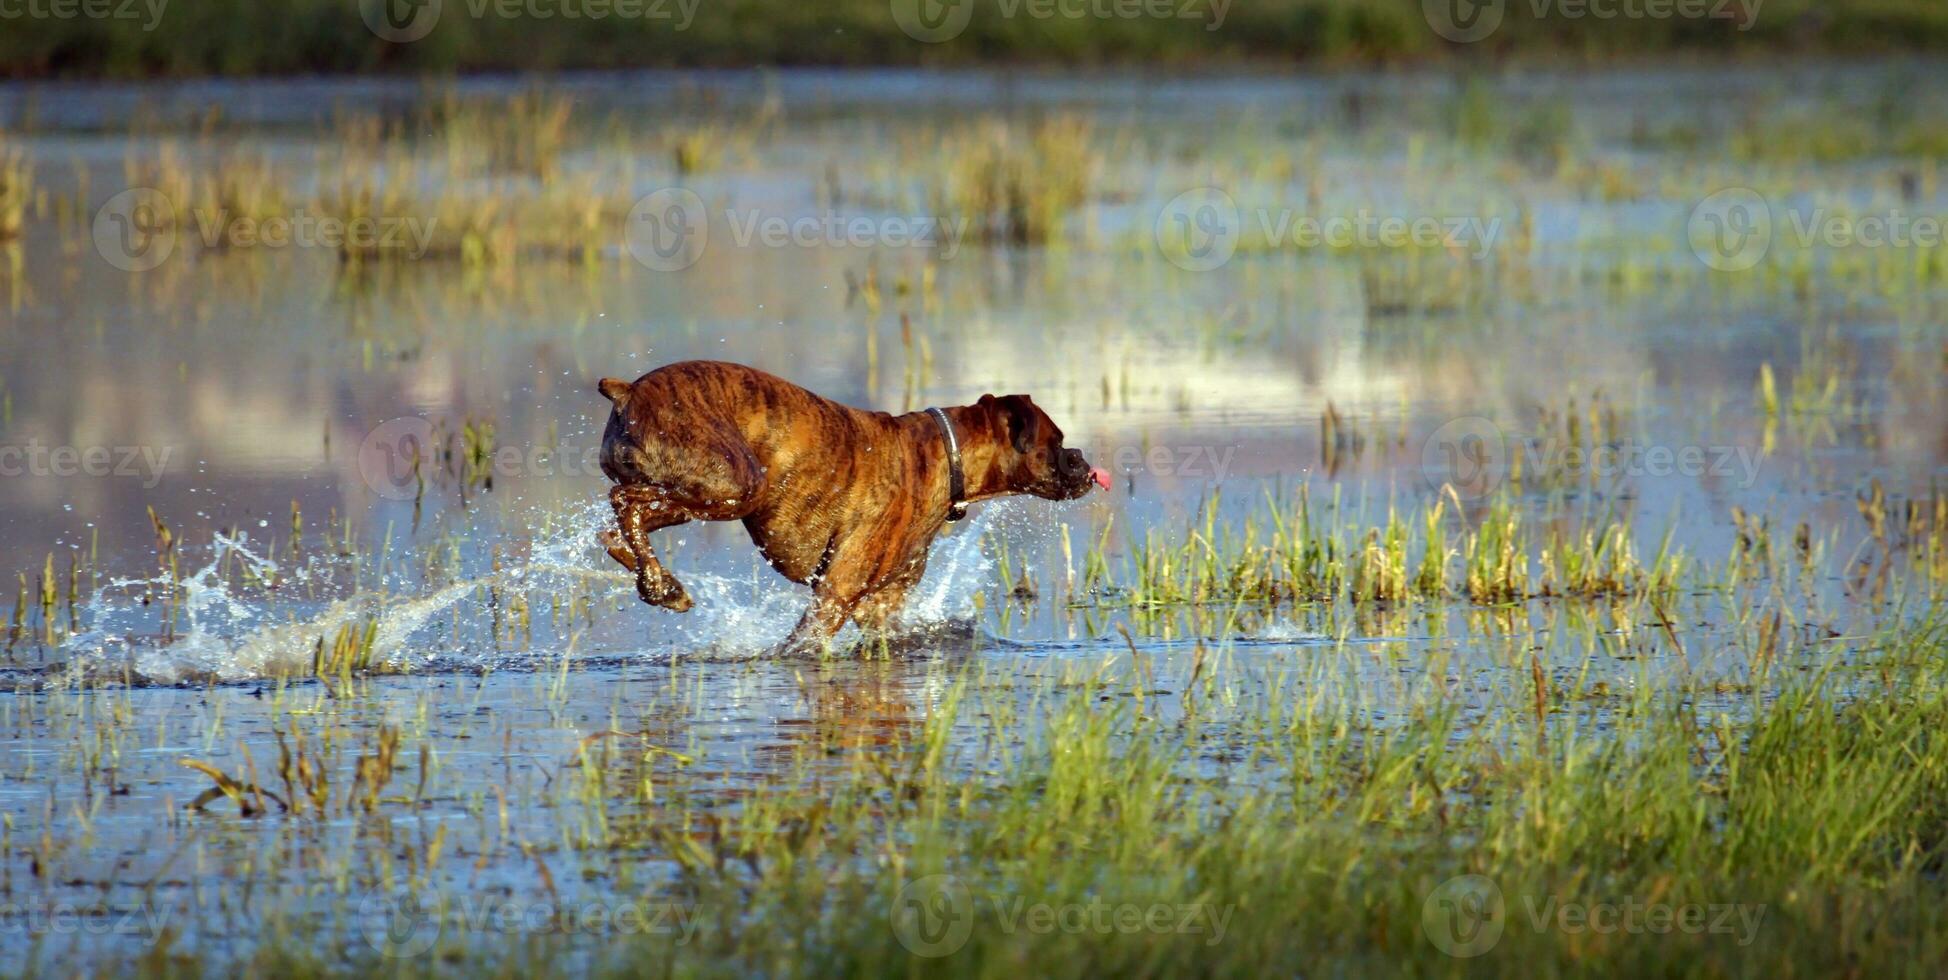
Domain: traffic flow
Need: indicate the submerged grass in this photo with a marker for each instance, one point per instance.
(1276, 815)
(16, 189)
(534, 175)
(1336, 852)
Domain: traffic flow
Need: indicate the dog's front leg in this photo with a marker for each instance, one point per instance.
(878, 606)
(819, 624)
(639, 510)
(875, 612)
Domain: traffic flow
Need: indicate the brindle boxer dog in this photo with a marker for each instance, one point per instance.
(843, 499)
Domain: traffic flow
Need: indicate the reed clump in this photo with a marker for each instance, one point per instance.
(1015, 187)
(347, 653)
(16, 189)
(1288, 552)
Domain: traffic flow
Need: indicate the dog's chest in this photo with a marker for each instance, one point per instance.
(794, 543)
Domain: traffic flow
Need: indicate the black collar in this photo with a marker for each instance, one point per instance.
(956, 481)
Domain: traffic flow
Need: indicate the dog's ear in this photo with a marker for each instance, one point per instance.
(615, 390)
(1024, 420)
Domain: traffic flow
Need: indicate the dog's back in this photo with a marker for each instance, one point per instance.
(662, 418)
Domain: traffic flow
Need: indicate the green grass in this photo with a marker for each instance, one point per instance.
(1314, 827)
(1822, 813)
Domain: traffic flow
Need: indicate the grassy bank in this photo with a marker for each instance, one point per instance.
(241, 37)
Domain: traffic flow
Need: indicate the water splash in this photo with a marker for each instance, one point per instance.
(227, 631)
(220, 632)
(954, 570)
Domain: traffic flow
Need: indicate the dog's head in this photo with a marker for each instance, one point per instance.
(1030, 457)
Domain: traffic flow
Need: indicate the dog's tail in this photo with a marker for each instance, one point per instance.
(615, 390)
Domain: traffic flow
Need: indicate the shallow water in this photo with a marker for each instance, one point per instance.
(229, 388)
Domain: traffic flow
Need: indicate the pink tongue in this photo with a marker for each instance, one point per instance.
(1100, 475)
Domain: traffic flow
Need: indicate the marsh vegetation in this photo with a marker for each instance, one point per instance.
(1547, 571)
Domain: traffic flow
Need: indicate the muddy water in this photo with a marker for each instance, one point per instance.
(225, 390)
